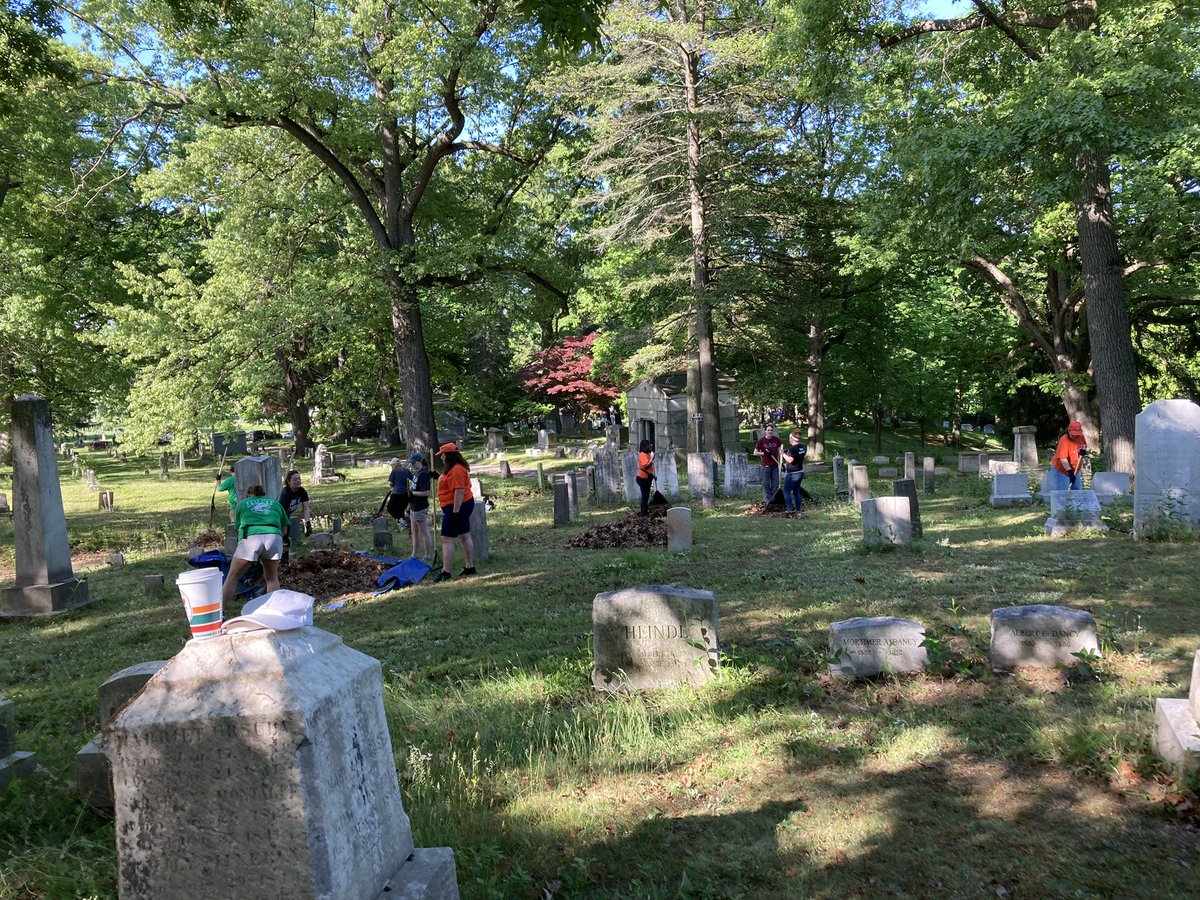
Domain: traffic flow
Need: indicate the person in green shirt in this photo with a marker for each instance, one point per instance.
(229, 485)
(261, 523)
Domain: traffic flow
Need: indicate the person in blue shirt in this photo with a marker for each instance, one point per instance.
(792, 459)
(398, 500)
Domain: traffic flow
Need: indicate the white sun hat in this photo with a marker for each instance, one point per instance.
(276, 611)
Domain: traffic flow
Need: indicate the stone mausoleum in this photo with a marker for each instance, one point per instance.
(657, 409)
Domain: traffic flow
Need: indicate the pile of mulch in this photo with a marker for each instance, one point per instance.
(209, 538)
(331, 574)
(632, 531)
(775, 509)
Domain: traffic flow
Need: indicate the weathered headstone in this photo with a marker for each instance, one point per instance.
(505, 470)
(700, 478)
(4, 510)
(968, 462)
(1110, 486)
(910, 466)
(1177, 725)
(14, 763)
(335, 524)
(1040, 635)
(1025, 453)
(886, 522)
(541, 477)
(543, 440)
(573, 494)
(296, 532)
(252, 470)
(495, 440)
(737, 470)
(881, 460)
(612, 435)
(46, 584)
(654, 637)
(562, 504)
(479, 532)
(323, 469)
(679, 529)
(1072, 511)
(322, 540)
(258, 765)
(840, 488)
(666, 473)
(106, 501)
(153, 584)
(860, 485)
(928, 474)
(1166, 493)
(907, 487)
(1010, 490)
(996, 467)
(629, 469)
(863, 647)
(115, 559)
(163, 472)
(608, 477)
(888, 472)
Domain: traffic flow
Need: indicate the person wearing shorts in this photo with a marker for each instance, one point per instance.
(418, 508)
(456, 501)
(261, 523)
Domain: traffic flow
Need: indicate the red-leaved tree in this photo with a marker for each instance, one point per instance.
(562, 375)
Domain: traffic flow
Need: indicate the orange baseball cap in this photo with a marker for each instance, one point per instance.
(447, 448)
(1075, 429)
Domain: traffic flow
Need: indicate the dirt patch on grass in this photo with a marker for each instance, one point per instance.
(633, 531)
(329, 575)
(775, 509)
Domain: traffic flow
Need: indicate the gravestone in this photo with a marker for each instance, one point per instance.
(1166, 493)
(14, 763)
(153, 584)
(1047, 485)
(295, 532)
(886, 522)
(880, 460)
(1025, 453)
(652, 637)
(115, 559)
(46, 584)
(907, 487)
(4, 510)
(590, 473)
(996, 467)
(573, 494)
(1110, 486)
(106, 501)
(860, 485)
(1073, 511)
(560, 453)
(322, 540)
(629, 469)
(737, 470)
(479, 532)
(505, 470)
(841, 490)
(666, 472)
(541, 477)
(562, 504)
(863, 647)
(910, 466)
(968, 462)
(495, 440)
(258, 765)
(1010, 490)
(679, 529)
(928, 474)
(164, 473)
(612, 436)
(981, 465)
(889, 472)
(264, 470)
(322, 467)
(543, 440)
(700, 478)
(1040, 635)
(608, 477)
(1177, 726)
(941, 471)
(335, 525)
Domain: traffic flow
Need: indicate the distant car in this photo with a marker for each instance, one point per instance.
(289, 435)
(99, 445)
(263, 435)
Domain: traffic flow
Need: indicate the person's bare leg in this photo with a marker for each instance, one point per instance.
(447, 553)
(271, 574)
(468, 549)
(427, 550)
(412, 531)
(237, 568)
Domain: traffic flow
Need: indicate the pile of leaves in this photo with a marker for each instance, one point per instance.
(633, 531)
(331, 574)
(209, 538)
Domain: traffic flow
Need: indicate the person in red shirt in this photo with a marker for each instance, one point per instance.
(1065, 464)
(456, 501)
(645, 473)
(769, 447)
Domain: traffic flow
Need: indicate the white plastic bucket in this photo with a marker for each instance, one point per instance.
(201, 593)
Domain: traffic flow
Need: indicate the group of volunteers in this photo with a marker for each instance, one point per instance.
(264, 523)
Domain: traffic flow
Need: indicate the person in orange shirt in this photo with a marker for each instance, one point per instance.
(645, 473)
(456, 501)
(1065, 464)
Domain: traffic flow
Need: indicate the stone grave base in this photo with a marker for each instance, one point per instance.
(1005, 502)
(45, 599)
(427, 874)
(1176, 734)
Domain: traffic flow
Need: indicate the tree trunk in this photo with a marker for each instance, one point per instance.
(694, 442)
(1107, 312)
(391, 421)
(412, 364)
(816, 389)
(877, 415)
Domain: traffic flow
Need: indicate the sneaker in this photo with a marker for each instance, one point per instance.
(442, 576)
(470, 571)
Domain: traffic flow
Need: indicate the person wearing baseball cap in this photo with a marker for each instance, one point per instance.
(454, 497)
(418, 508)
(1065, 464)
(398, 498)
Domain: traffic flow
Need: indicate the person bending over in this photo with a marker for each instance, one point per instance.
(261, 523)
(454, 497)
(398, 500)
(1065, 464)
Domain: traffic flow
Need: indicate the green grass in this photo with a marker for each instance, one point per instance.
(773, 781)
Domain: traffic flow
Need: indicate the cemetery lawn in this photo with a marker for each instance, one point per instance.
(773, 781)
